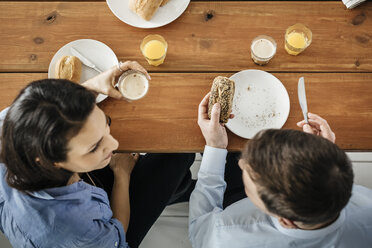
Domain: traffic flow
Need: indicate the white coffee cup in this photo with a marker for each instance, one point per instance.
(133, 85)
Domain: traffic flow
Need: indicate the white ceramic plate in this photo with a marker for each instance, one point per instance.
(97, 52)
(164, 15)
(260, 102)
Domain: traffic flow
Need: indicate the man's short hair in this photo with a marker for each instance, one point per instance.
(299, 176)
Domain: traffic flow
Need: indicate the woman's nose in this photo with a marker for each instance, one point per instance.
(111, 144)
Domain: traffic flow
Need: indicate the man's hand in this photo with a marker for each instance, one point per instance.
(318, 126)
(213, 131)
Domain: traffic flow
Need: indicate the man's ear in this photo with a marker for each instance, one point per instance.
(286, 223)
(240, 163)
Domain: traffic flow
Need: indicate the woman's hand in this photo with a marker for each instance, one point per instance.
(123, 163)
(105, 82)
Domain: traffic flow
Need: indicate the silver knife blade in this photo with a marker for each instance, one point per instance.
(83, 59)
(302, 97)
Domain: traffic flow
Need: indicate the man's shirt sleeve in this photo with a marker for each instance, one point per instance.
(207, 198)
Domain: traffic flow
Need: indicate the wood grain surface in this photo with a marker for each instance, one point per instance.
(210, 36)
(166, 119)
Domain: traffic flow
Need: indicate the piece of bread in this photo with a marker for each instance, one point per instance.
(222, 91)
(145, 8)
(164, 3)
(68, 67)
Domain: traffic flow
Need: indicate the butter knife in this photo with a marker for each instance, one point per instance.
(302, 97)
(84, 60)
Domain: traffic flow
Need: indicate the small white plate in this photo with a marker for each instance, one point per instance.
(260, 102)
(164, 15)
(97, 52)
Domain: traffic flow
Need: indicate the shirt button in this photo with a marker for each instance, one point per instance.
(116, 244)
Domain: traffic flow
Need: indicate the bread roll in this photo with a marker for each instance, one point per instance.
(145, 8)
(68, 67)
(164, 3)
(222, 91)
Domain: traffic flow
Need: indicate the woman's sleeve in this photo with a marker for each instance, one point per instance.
(105, 235)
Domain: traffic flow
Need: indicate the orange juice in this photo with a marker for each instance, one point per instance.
(297, 38)
(154, 48)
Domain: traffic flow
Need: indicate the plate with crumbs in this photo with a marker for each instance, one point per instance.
(260, 102)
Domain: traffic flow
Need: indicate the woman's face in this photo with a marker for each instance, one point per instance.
(92, 147)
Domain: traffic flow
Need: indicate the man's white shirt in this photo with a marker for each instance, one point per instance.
(243, 225)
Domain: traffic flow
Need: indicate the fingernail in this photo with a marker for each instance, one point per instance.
(216, 105)
(307, 126)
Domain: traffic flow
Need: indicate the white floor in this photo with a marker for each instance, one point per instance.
(170, 230)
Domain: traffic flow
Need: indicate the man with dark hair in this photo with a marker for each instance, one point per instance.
(299, 186)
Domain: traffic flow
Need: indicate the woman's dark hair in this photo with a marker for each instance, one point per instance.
(299, 176)
(36, 131)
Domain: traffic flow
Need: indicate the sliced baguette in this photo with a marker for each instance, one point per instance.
(164, 3)
(144, 8)
(68, 67)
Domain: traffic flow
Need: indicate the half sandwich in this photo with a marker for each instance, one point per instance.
(222, 92)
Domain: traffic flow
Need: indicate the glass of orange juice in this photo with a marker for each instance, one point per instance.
(297, 38)
(154, 48)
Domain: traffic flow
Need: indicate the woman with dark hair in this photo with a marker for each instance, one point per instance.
(54, 178)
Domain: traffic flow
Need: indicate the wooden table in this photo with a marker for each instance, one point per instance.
(211, 38)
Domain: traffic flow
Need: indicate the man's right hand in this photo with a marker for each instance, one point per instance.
(318, 126)
(213, 131)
